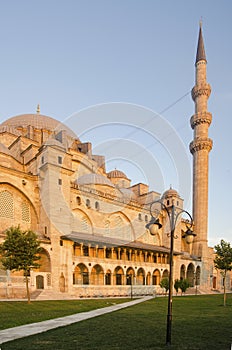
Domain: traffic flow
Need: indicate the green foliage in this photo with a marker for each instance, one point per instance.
(177, 285)
(164, 283)
(183, 285)
(223, 261)
(20, 251)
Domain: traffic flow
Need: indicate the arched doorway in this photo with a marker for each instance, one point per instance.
(108, 277)
(156, 278)
(190, 274)
(182, 272)
(81, 274)
(141, 276)
(118, 272)
(130, 276)
(40, 282)
(97, 275)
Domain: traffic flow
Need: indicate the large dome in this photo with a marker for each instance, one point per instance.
(38, 121)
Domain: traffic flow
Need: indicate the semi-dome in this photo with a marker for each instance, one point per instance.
(96, 179)
(38, 121)
(116, 174)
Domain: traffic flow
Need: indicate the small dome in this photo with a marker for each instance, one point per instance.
(170, 193)
(38, 121)
(116, 174)
(96, 179)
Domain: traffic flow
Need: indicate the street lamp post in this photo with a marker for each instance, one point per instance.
(154, 225)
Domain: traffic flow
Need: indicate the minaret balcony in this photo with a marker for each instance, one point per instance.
(201, 144)
(203, 89)
(201, 118)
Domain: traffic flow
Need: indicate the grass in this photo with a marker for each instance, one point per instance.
(199, 322)
(17, 313)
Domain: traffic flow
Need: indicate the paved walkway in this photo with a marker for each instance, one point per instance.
(39, 327)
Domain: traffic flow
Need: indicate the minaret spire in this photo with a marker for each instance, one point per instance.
(200, 148)
(200, 47)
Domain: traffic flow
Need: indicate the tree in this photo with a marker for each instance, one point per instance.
(20, 251)
(164, 283)
(223, 261)
(177, 285)
(183, 285)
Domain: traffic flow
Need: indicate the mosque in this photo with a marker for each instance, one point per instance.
(92, 223)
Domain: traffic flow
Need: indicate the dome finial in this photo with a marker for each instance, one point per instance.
(38, 109)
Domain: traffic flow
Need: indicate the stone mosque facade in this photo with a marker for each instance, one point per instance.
(92, 224)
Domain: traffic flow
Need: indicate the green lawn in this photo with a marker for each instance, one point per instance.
(17, 313)
(199, 322)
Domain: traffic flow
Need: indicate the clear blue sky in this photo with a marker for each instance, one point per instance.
(69, 55)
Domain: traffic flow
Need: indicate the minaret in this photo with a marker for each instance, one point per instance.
(200, 148)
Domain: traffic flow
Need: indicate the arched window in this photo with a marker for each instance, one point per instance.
(190, 274)
(97, 205)
(88, 203)
(78, 200)
(6, 205)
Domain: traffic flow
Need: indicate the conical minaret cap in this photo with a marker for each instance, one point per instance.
(200, 47)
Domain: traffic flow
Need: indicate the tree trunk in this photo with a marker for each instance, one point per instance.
(28, 291)
(224, 285)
